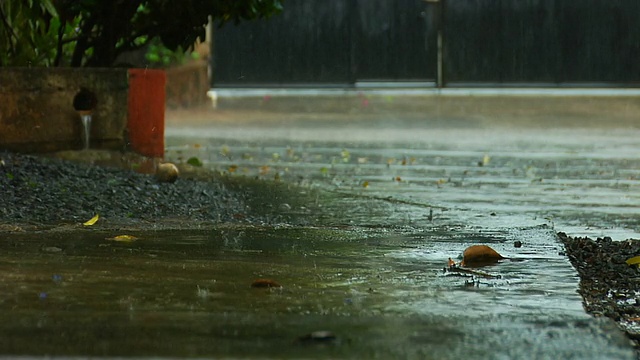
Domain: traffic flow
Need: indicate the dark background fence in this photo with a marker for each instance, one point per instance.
(446, 42)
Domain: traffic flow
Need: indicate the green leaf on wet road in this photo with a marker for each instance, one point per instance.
(194, 161)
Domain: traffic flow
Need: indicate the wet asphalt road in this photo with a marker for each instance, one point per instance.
(481, 181)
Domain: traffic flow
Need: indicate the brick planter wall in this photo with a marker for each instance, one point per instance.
(37, 113)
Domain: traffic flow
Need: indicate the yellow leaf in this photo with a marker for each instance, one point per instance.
(633, 261)
(345, 155)
(123, 238)
(92, 221)
(485, 160)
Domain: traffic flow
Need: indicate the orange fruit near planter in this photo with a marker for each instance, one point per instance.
(480, 255)
(167, 172)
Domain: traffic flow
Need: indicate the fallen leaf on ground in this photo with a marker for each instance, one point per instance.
(91, 221)
(485, 160)
(194, 161)
(123, 238)
(633, 261)
(264, 170)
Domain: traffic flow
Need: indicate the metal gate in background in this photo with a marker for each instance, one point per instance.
(341, 43)
(541, 42)
(335, 43)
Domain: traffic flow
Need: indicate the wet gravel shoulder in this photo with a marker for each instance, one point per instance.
(40, 193)
(608, 285)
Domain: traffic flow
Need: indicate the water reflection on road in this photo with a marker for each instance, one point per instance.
(381, 293)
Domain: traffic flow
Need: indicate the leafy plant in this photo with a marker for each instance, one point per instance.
(32, 33)
(94, 33)
(159, 55)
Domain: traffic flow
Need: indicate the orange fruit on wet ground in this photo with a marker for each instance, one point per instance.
(480, 255)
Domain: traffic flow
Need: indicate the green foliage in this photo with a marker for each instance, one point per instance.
(95, 33)
(30, 32)
(161, 56)
(194, 161)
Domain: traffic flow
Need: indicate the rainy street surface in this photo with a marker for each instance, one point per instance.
(401, 193)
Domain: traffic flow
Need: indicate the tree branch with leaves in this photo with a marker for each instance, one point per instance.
(95, 32)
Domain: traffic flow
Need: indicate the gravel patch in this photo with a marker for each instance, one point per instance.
(42, 191)
(609, 287)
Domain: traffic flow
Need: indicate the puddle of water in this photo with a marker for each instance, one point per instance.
(381, 291)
